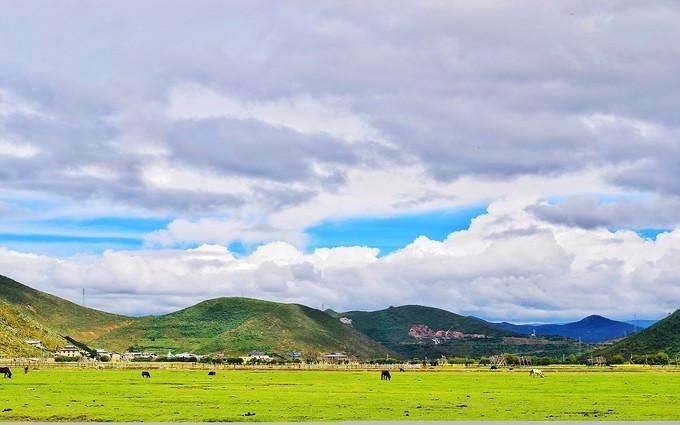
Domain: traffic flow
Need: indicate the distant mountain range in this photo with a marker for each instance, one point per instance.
(592, 329)
(236, 326)
(642, 323)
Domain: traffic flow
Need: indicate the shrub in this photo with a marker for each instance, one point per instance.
(661, 358)
(511, 359)
(544, 361)
(66, 359)
(616, 359)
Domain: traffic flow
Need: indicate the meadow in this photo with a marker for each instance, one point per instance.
(65, 394)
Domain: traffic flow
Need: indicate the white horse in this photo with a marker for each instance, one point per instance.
(536, 372)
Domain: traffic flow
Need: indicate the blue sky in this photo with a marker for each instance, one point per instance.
(64, 236)
(391, 233)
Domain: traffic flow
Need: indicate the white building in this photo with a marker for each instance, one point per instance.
(257, 356)
(132, 356)
(69, 351)
(35, 343)
(335, 357)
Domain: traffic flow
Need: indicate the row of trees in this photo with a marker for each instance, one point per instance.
(659, 358)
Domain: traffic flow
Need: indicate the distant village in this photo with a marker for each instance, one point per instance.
(73, 353)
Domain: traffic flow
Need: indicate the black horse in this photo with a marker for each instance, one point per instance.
(146, 374)
(385, 375)
(212, 373)
(6, 371)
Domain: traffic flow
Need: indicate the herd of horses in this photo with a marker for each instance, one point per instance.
(385, 375)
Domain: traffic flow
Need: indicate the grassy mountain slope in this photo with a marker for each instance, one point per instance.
(590, 329)
(392, 325)
(664, 335)
(238, 325)
(58, 316)
(16, 327)
(391, 328)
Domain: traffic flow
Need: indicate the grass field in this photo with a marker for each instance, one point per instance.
(190, 395)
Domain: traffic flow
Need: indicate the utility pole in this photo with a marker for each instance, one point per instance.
(83, 304)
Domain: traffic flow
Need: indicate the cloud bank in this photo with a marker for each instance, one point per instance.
(507, 265)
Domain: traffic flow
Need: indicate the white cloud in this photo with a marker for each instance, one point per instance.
(17, 150)
(508, 265)
(304, 114)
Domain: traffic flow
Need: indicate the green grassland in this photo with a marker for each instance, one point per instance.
(289, 395)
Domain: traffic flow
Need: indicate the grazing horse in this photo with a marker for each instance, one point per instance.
(6, 371)
(401, 369)
(212, 373)
(536, 372)
(146, 374)
(385, 375)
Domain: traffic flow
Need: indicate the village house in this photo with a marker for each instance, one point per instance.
(335, 357)
(69, 351)
(105, 355)
(295, 355)
(35, 343)
(137, 356)
(257, 356)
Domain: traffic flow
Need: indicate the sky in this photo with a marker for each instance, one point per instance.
(513, 161)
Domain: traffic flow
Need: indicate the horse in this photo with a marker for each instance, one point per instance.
(401, 369)
(385, 375)
(212, 373)
(6, 371)
(146, 374)
(536, 372)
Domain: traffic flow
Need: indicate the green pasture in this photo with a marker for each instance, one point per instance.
(287, 395)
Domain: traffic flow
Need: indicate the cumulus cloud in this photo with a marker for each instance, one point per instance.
(507, 265)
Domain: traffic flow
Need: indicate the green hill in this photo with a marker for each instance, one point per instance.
(664, 335)
(56, 315)
(391, 328)
(238, 325)
(392, 325)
